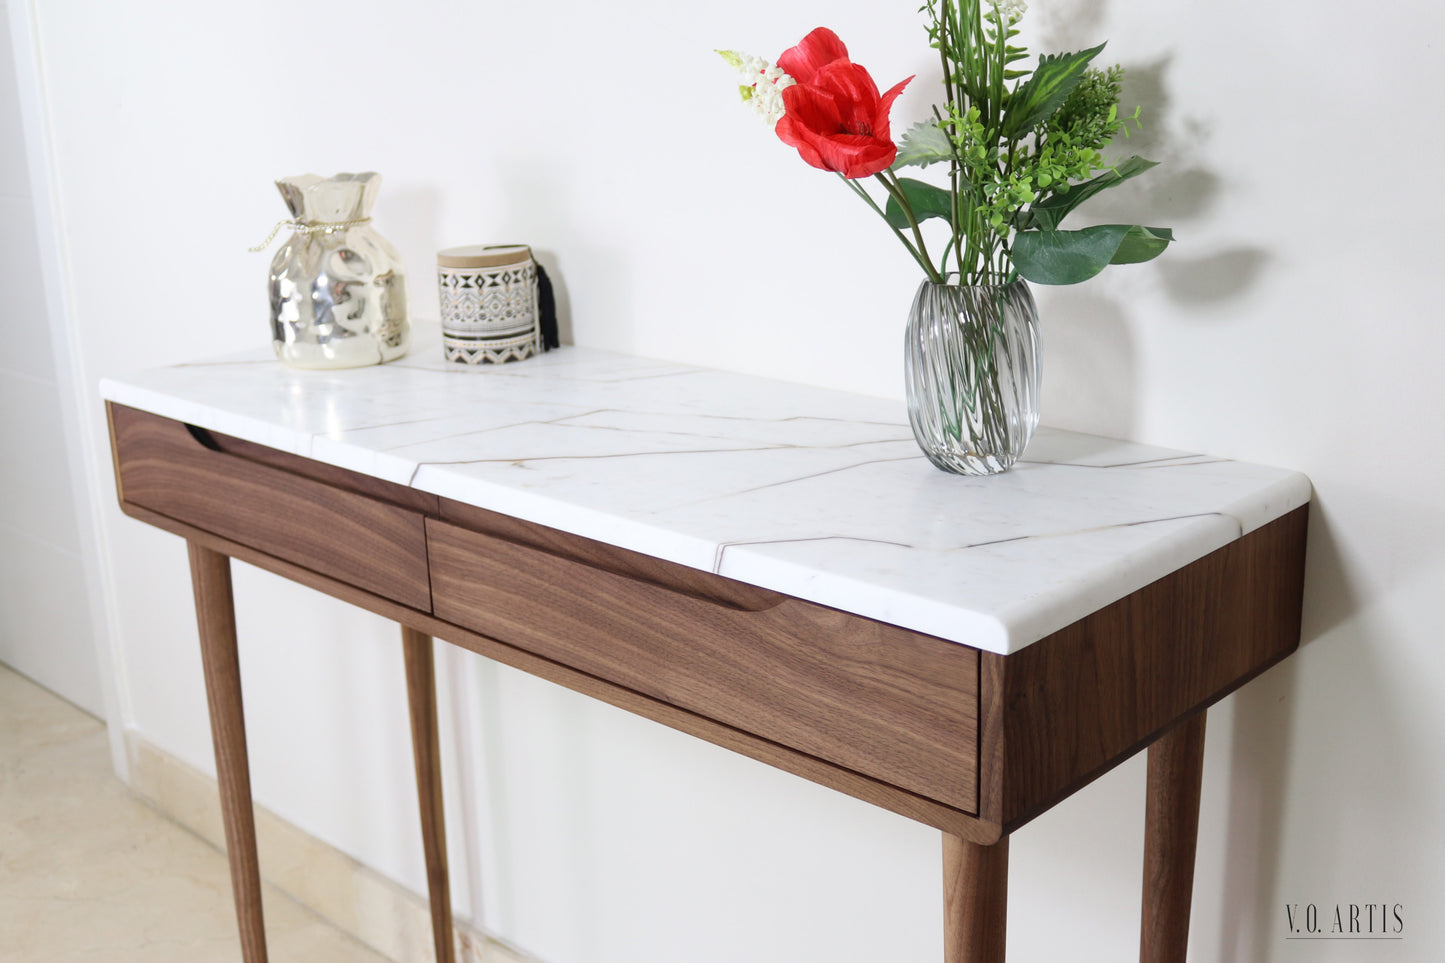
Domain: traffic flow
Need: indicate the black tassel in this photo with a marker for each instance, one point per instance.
(547, 310)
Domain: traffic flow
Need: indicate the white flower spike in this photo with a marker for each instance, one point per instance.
(767, 81)
(1009, 11)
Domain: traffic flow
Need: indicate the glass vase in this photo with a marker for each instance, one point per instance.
(971, 366)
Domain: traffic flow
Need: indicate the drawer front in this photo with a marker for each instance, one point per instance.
(873, 698)
(161, 465)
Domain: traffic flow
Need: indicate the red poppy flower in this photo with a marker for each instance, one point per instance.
(814, 52)
(836, 120)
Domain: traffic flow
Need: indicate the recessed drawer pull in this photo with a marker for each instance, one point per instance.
(759, 601)
(188, 474)
(206, 439)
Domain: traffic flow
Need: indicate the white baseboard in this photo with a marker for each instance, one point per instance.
(377, 911)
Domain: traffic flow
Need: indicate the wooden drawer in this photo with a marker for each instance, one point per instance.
(881, 701)
(346, 526)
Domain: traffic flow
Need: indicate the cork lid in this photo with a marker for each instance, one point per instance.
(483, 255)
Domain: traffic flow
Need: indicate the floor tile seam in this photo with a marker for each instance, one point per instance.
(314, 915)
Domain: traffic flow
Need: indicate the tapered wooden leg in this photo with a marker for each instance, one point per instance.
(975, 900)
(1171, 828)
(421, 697)
(216, 617)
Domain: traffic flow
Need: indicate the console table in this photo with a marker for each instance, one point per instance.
(769, 567)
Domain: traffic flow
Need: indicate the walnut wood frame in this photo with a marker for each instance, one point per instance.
(973, 743)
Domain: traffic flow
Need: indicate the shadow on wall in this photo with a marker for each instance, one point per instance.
(1213, 278)
(1093, 374)
(1267, 741)
(408, 214)
(1177, 193)
(1273, 737)
(1069, 26)
(1091, 379)
(550, 262)
(540, 213)
(1258, 774)
(1330, 596)
(1099, 388)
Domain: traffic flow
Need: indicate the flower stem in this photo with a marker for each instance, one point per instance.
(920, 256)
(955, 161)
(889, 180)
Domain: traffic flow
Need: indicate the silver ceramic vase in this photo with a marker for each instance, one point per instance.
(971, 367)
(338, 289)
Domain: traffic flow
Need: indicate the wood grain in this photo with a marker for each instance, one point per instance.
(1061, 712)
(1171, 829)
(215, 616)
(356, 538)
(975, 900)
(874, 791)
(426, 753)
(368, 485)
(874, 698)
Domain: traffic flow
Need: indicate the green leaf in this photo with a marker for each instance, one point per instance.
(924, 143)
(1068, 257)
(925, 200)
(1037, 98)
(1142, 244)
(1051, 210)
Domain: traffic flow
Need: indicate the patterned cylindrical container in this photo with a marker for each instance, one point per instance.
(489, 303)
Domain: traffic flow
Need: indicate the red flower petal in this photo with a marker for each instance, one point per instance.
(886, 104)
(856, 156)
(815, 108)
(813, 53)
(838, 122)
(849, 82)
(794, 137)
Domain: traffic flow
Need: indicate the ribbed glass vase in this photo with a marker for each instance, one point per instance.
(972, 371)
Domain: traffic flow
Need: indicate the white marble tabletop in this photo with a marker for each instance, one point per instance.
(815, 493)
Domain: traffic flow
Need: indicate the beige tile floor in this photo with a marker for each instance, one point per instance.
(89, 873)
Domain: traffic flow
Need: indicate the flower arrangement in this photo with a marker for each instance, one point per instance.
(1022, 148)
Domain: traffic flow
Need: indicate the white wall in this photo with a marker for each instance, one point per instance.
(46, 627)
(1294, 324)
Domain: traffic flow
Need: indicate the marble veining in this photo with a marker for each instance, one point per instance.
(815, 493)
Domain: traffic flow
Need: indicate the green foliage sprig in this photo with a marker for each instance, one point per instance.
(1023, 149)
